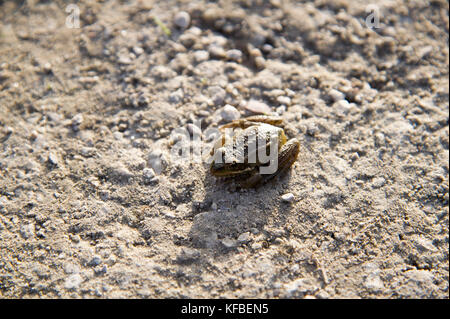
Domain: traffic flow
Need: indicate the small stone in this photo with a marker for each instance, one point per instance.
(77, 120)
(322, 294)
(177, 96)
(424, 244)
(27, 231)
(260, 62)
(244, 237)
(148, 174)
(342, 107)
(373, 282)
(182, 19)
(267, 48)
(122, 173)
(73, 282)
(300, 286)
(284, 100)
(229, 113)
(288, 198)
(424, 277)
(217, 94)
(52, 159)
(281, 109)
(257, 107)
(256, 246)
(336, 95)
(95, 261)
(70, 268)
(157, 161)
(47, 68)
(188, 255)
(87, 151)
(138, 50)
(99, 270)
(234, 54)
(229, 243)
(216, 51)
(201, 55)
(378, 182)
(354, 156)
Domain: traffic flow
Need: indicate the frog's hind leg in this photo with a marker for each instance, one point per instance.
(286, 157)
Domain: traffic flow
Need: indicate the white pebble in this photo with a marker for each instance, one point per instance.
(336, 95)
(73, 281)
(201, 55)
(288, 198)
(286, 100)
(182, 19)
(257, 107)
(234, 54)
(229, 113)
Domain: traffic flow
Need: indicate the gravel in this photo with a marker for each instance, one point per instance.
(182, 19)
(93, 204)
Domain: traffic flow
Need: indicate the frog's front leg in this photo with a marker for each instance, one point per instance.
(286, 157)
(254, 120)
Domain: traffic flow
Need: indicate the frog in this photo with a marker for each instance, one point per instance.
(248, 171)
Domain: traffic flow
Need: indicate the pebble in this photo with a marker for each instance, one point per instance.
(70, 268)
(95, 261)
(257, 107)
(52, 159)
(420, 276)
(288, 198)
(286, 100)
(234, 54)
(378, 182)
(188, 255)
(373, 282)
(121, 173)
(229, 113)
(217, 94)
(267, 48)
(73, 282)
(228, 242)
(138, 50)
(336, 95)
(301, 285)
(100, 270)
(47, 67)
(182, 19)
(281, 109)
(177, 96)
(260, 62)
(27, 231)
(148, 174)
(244, 237)
(77, 120)
(342, 107)
(216, 51)
(201, 55)
(424, 244)
(157, 161)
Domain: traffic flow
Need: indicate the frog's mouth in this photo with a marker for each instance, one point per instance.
(230, 170)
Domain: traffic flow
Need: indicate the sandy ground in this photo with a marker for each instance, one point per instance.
(93, 206)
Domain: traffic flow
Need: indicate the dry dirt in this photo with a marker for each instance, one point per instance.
(86, 116)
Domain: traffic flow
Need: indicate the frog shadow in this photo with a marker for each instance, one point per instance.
(227, 216)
